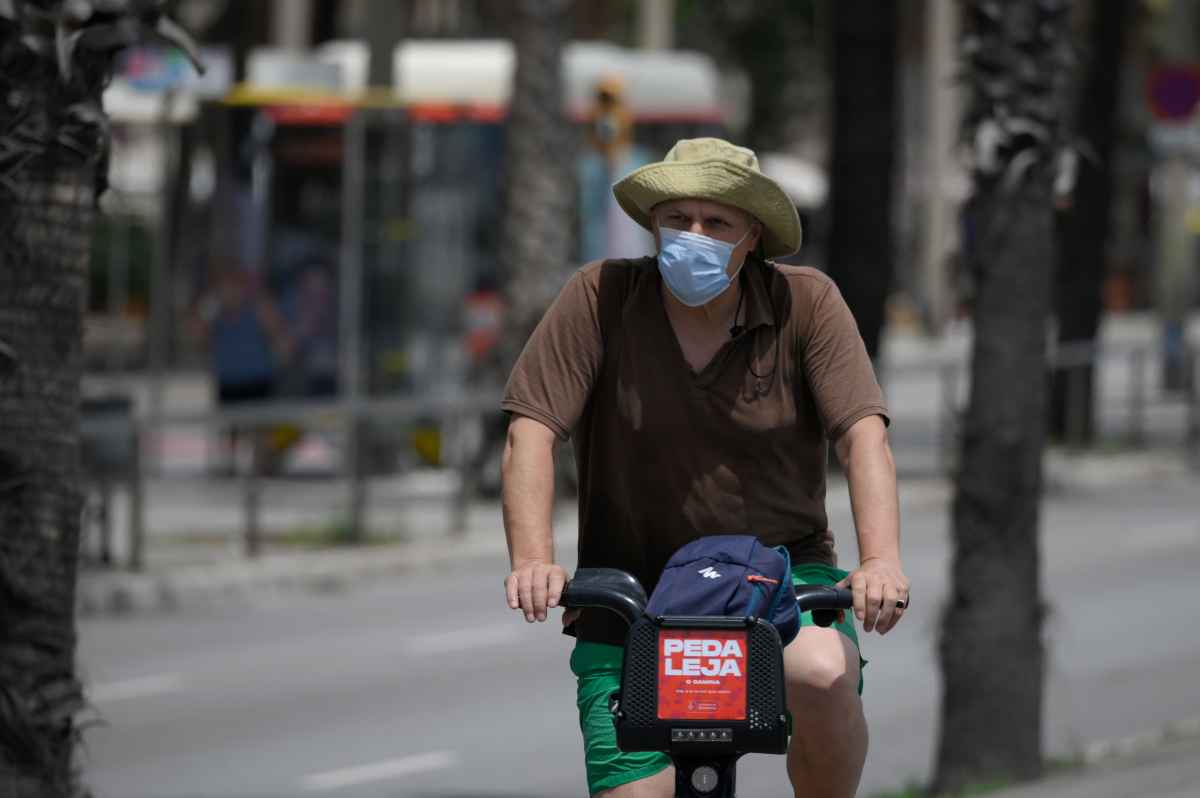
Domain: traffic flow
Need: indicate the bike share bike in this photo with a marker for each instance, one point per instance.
(704, 689)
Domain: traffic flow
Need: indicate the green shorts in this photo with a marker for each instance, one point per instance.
(597, 667)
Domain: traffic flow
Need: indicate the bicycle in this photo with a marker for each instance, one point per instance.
(705, 690)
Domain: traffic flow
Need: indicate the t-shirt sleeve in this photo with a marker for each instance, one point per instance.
(554, 375)
(837, 367)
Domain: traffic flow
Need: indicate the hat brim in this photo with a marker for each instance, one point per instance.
(720, 181)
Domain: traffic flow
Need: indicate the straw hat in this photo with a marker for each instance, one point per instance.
(713, 169)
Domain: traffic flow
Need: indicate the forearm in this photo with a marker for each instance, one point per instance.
(527, 471)
(871, 475)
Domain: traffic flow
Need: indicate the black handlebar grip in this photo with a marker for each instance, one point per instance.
(825, 601)
(823, 597)
(606, 588)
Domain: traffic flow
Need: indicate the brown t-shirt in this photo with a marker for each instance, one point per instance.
(667, 455)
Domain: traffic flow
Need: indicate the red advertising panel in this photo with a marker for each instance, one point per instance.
(701, 674)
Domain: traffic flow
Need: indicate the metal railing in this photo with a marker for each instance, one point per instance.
(452, 411)
(351, 415)
(1069, 360)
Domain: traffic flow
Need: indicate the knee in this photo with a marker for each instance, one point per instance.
(822, 667)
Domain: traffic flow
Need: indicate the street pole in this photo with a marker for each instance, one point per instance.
(119, 233)
(656, 24)
(291, 24)
(1176, 259)
(1176, 262)
(161, 312)
(350, 275)
(941, 25)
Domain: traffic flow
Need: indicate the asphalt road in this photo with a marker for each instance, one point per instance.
(432, 688)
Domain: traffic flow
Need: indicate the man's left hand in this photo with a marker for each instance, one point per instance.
(878, 586)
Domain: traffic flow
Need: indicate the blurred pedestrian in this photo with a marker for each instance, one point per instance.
(313, 323)
(606, 231)
(247, 342)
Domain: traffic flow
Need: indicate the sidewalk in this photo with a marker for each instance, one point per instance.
(1161, 765)
(195, 556)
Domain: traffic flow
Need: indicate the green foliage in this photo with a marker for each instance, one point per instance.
(330, 534)
(911, 790)
(336, 533)
(135, 243)
(774, 42)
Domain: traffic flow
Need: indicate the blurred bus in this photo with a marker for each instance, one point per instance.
(433, 168)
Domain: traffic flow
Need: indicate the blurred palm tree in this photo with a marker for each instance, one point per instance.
(1016, 61)
(55, 59)
(536, 235)
(536, 231)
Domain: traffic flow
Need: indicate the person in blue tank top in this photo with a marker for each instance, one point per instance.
(247, 340)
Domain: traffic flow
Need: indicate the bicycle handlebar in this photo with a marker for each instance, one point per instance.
(606, 589)
(617, 591)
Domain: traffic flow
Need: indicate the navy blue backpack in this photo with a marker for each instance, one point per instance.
(729, 575)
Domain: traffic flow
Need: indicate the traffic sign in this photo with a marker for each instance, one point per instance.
(1173, 91)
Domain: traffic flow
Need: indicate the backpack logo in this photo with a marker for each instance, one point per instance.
(709, 573)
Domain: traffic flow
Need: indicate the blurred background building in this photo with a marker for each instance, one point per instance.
(349, 153)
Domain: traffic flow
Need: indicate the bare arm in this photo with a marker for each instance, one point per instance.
(879, 581)
(527, 472)
(273, 322)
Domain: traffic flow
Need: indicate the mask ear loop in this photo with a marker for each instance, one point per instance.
(736, 329)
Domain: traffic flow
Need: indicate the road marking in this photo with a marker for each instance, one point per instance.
(141, 687)
(463, 639)
(380, 771)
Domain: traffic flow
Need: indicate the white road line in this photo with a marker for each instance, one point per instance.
(380, 771)
(141, 687)
(464, 639)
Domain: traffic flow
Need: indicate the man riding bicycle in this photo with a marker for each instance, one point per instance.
(701, 389)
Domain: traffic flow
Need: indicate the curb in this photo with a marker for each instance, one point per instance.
(1098, 762)
(1067, 473)
(1103, 751)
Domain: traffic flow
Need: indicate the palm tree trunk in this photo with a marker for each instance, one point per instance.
(536, 235)
(46, 212)
(864, 143)
(990, 648)
(53, 141)
(44, 250)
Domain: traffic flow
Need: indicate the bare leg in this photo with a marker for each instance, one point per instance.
(829, 734)
(660, 785)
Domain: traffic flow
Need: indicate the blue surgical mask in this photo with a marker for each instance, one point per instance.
(693, 266)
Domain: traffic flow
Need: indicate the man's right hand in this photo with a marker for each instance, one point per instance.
(535, 587)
